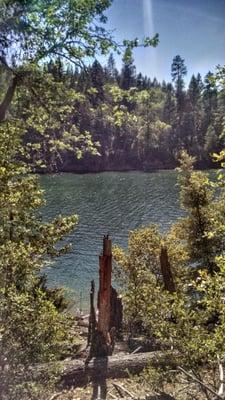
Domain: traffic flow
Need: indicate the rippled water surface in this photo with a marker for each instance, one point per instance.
(109, 202)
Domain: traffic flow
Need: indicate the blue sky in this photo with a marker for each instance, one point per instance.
(195, 29)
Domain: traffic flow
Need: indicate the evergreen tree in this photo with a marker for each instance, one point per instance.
(155, 83)
(194, 116)
(128, 74)
(199, 227)
(194, 90)
(111, 70)
(97, 78)
(209, 98)
(169, 105)
(140, 81)
(178, 71)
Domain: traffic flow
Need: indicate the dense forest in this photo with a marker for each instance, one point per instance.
(125, 121)
(136, 122)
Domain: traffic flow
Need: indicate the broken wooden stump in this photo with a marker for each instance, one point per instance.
(102, 333)
(166, 271)
(104, 294)
(92, 315)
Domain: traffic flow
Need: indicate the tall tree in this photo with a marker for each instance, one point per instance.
(140, 81)
(209, 97)
(111, 68)
(194, 116)
(169, 104)
(97, 78)
(178, 71)
(128, 74)
(195, 89)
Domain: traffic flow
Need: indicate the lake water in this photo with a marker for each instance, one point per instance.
(107, 203)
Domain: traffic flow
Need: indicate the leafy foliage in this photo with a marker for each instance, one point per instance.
(189, 321)
(32, 329)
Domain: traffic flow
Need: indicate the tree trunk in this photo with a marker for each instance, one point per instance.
(92, 317)
(105, 277)
(166, 271)
(4, 106)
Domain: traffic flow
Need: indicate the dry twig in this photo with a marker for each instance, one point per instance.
(55, 395)
(122, 390)
(212, 391)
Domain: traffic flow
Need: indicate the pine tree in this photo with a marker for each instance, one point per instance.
(209, 98)
(197, 198)
(140, 81)
(169, 105)
(194, 116)
(128, 74)
(111, 70)
(97, 78)
(178, 71)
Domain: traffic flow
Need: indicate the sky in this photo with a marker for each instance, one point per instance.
(195, 29)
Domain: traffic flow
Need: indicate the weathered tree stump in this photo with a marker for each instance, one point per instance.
(102, 333)
(92, 315)
(105, 278)
(166, 271)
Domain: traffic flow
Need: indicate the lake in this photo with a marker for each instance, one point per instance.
(107, 203)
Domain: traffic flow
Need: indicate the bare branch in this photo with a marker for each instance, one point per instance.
(200, 383)
(122, 390)
(54, 396)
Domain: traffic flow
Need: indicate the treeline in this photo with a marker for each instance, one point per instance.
(139, 123)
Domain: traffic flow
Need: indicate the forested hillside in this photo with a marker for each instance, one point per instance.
(135, 122)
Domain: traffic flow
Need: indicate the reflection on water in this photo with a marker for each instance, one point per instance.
(107, 203)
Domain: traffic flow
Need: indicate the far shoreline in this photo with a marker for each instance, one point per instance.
(86, 172)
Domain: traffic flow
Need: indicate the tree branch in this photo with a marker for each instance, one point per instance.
(200, 383)
(122, 389)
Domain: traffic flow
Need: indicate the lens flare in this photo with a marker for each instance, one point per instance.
(149, 29)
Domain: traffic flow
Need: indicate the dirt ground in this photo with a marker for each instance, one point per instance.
(137, 390)
(112, 393)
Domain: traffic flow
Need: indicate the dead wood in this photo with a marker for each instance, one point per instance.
(166, 271)
(202, 384)
(73, 372)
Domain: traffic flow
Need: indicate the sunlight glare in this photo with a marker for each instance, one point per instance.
(149, 29)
